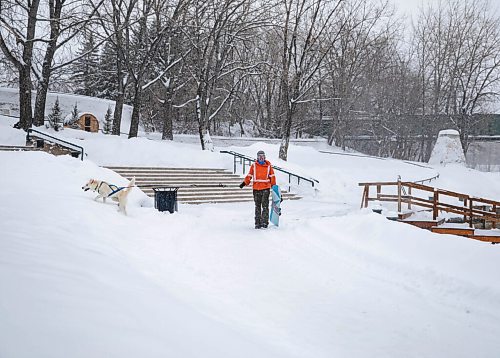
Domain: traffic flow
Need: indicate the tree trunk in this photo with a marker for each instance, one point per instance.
(134, 123)
(120, 96)
(117, 115)
(40, 103)
(285, 134)
(167, 133)
(201, 120)
(201, 131)
(242, 130)
(25, 110)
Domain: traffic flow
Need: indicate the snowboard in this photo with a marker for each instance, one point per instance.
(274, 216)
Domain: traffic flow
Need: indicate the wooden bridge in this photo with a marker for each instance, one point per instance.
(476, 218)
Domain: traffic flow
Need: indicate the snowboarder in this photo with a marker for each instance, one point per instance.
(262, 174)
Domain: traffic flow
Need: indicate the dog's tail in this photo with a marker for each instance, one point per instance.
(130, 185)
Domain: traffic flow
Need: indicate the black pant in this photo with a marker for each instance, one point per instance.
(261, 198)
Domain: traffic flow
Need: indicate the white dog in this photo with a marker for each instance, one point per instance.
(106, 190)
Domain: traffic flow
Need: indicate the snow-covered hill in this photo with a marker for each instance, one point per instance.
(9, 102)
(79, 279)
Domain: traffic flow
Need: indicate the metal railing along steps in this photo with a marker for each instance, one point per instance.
(196, 185)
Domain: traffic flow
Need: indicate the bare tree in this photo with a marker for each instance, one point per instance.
(459, 46)
(367, 30)
(17, 35)
(302, 31)
(216, 27)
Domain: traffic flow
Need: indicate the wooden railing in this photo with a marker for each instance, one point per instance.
(470, 207)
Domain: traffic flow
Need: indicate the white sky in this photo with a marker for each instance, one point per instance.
(411, 7)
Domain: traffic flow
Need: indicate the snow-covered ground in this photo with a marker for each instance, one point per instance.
(9, 102)
(79, 279)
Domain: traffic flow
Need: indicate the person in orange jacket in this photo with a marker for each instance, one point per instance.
(262, 174)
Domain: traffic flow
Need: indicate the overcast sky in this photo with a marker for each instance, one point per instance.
(411, 7)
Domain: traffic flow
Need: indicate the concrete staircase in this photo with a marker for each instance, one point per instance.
(196, 185)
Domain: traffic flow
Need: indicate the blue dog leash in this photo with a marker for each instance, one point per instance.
(115, 189)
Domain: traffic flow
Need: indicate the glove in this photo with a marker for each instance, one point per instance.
(242, 185)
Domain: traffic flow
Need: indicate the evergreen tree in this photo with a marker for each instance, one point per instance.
(108, 122)
(74, 114)
(86, 68)
(106, 86)
(73, 122)
(55, 118)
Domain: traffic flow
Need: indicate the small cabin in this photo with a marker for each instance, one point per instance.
(87, 122)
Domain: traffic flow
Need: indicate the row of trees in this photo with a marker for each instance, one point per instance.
(279, 64)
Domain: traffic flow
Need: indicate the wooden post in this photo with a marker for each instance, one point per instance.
(435, 201)
(409, 198)
(494, 223)
(367, 188)
(379, 189)
(470, 212)
(364, 199)
(399, 195)
(465, 206)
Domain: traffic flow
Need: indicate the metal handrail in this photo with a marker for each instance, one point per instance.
(244, 159)
(66, 143)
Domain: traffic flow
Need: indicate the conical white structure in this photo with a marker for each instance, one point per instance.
(448, 149)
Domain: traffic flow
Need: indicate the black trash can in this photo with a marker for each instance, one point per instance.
(166, 199)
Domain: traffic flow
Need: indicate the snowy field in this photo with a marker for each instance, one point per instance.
(79, 279)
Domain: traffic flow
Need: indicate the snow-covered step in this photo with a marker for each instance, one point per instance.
(245, 194)
(189, 181)
(199, 192)
(196, 185)
(143, 175)
(165, 170)
(16, 148)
